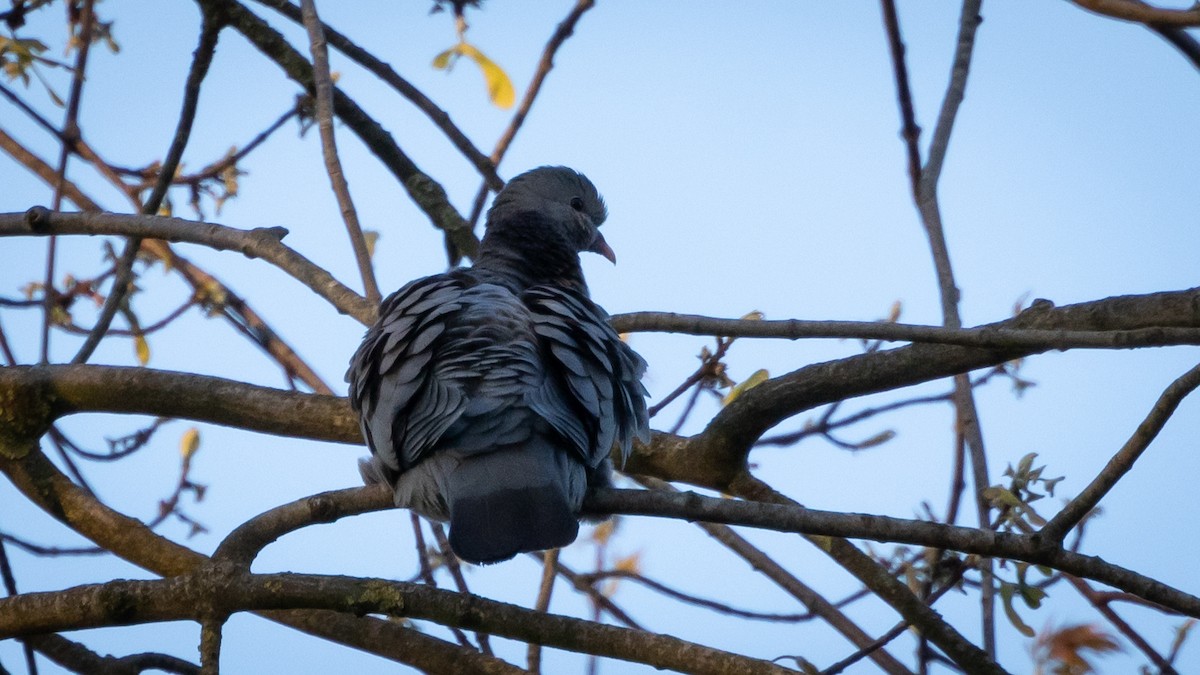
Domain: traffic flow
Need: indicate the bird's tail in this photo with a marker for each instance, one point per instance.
(511, 501)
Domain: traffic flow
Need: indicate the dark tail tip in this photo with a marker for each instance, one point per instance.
(494, 527)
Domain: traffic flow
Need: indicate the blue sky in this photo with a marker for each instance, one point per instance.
(750, 158)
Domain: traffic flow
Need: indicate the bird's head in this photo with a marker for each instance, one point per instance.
(553, 205)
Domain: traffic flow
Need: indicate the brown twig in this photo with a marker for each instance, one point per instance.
(427, 193)
(210, 29)
(70, 131)
(909, 131)
(1097, 600)
(1122, 462)
(323, 95)
(533, 654)
(460, 581)
(564, 30)
(389, 76)
(768, 567)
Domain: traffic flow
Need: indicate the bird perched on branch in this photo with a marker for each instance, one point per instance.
(492, 396)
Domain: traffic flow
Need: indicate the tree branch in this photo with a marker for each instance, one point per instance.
(323, 95)
(44, 485)
(1128, 10)
(992, 336)
(1122, 462)
(429, 196)
(799, 520)
(210, 29)
(261, 242)
(385, 73)
(182, 597)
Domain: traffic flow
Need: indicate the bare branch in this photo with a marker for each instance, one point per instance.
(992, 336)
(787, 518)
(564, 30)
(909, 131)
(542, 604)
(176, 598)
(385, 73)
(323, 94)
(429, 195)
(262, 242)
(209, 31)
(70, 132)
(1130, 10)
(1122, 462)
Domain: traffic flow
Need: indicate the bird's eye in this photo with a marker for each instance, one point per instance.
(577, 204)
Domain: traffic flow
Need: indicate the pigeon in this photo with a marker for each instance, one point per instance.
(492, 396)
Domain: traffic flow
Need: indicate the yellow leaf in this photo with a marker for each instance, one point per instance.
(142, 348)
(758, 377)
(630, 563)
(369, 238)
(500, 88)
(894, 312)
(444, 61)
(604, 531)
(189, 443)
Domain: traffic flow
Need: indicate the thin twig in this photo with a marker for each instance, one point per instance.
(389, 76)
(909, 131)
(565, 29)
(10, 588)
(925, 195)
(1164, 666)
(426, 573)
(696, 600)
(549, 572)
(766, 565)
(323, 86)
(70, 131)
(580, 584)
(210, 29)
(1121, 463)
(460, 581)
(210, 646)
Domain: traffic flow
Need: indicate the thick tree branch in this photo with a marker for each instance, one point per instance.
(44, 485)
(185, 596)
(64, 390)
(718, 455)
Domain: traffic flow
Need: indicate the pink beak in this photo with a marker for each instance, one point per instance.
(600, 246)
